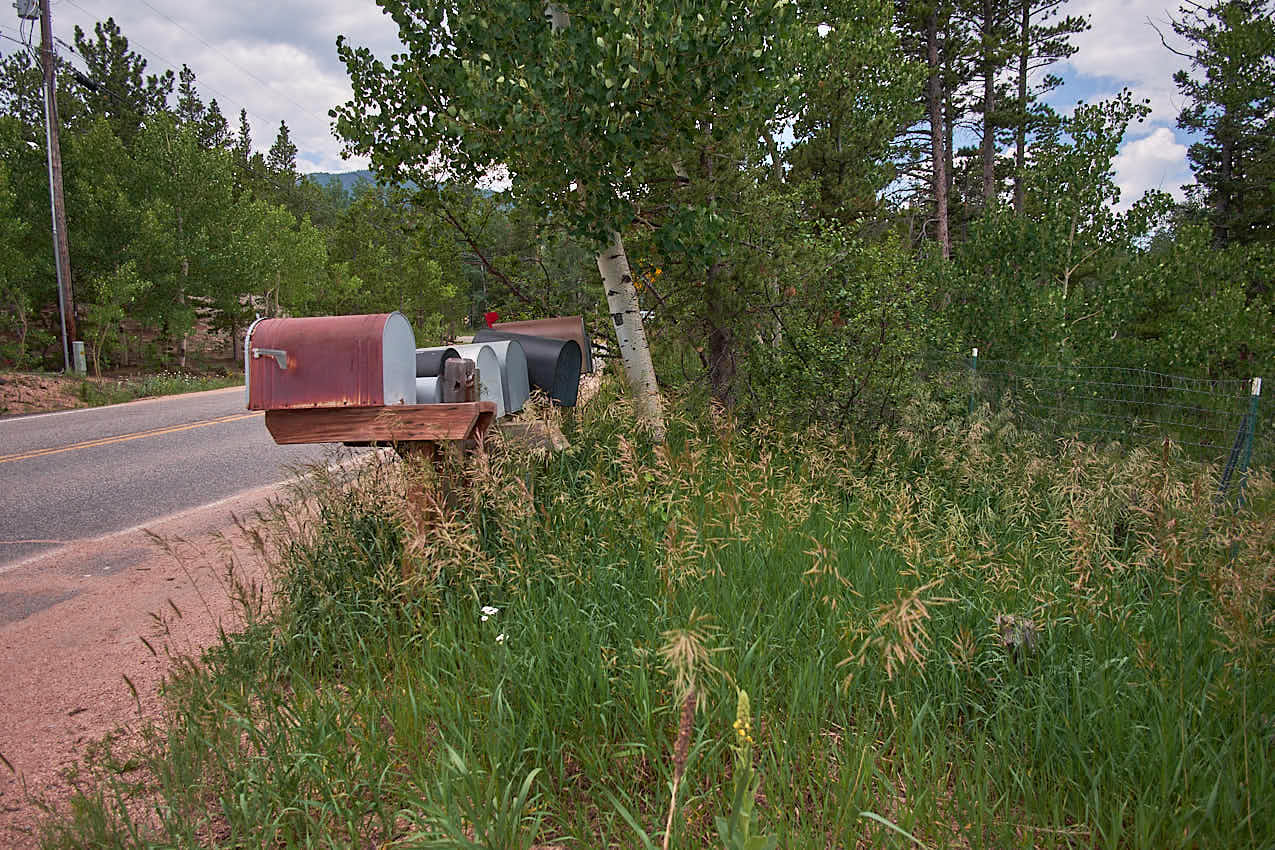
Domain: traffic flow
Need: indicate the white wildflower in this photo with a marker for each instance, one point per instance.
(500, 638)
(489, 612)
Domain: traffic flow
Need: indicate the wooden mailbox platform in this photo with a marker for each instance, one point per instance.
(401, 423)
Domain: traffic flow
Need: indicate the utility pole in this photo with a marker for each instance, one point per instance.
(61, 251)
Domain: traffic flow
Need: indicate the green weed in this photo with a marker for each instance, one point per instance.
(96, 393)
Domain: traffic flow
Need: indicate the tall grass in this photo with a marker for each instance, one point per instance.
(954, 636)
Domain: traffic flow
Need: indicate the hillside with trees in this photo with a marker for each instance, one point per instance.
(805, 195)
(178, 221)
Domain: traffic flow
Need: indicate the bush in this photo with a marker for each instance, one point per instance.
(842, 344)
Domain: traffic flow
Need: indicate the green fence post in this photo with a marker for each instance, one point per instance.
(973, 379)
(1247, 457)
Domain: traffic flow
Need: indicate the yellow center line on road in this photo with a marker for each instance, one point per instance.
(123, 438)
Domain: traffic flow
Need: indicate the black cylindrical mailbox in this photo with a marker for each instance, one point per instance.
(429, 361)
(560, 327)
(553, 365)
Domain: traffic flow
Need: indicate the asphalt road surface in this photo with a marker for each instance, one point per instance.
(79, 474)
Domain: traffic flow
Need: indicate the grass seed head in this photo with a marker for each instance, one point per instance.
(685, 651)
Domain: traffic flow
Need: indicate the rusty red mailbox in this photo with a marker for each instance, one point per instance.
(330, 361)
(349, 379)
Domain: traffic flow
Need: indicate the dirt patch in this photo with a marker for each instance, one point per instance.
(75, 625)
(25, 392)
(28, 393)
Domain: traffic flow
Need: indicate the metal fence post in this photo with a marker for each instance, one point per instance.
(1247, 457)
(973, 379)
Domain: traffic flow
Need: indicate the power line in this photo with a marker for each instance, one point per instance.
(15, 40)
(120, 96)
(24, 39)
(227, 99)
(125, 100)
(153, 53)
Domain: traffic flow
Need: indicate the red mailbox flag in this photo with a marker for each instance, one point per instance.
(491, 318)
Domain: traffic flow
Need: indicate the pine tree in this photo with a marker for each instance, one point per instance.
(249, 168)
(116, 85)
(993, 24)
(855, 100)
(1231, 89)
(938, 37)
(1040, 43)
(282, 158)
(190, 109)
(243, 142)
(935, 101)
(22, 91)
(215, 129)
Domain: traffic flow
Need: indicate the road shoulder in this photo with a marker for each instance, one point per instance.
(13, 405)
(74, 629)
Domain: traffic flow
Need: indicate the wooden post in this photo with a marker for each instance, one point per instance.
(460, 382)
(62, 253)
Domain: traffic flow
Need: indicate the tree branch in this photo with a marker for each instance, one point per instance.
(482, 258)
(1165, 42)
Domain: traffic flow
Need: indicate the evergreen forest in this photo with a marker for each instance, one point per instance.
(811, 195)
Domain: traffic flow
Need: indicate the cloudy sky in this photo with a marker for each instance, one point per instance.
(278, 61)
(1123, 50)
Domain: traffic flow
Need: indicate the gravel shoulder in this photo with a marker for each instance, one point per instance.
(72, 625)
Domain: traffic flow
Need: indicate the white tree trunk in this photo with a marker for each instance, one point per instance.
(622, 304)
(635, 354)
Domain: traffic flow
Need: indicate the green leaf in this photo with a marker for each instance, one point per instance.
(876, 817)
(630, 820)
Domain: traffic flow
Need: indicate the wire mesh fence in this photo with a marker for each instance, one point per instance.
(1214, 421)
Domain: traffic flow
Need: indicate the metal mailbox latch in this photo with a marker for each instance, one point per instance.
(280, 356)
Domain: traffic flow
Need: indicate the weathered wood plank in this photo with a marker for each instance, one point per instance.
(381, 424)
(486, 416)
(459, 382)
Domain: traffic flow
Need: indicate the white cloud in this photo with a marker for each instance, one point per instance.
(277, 60)
(1157, 161)
(302, 90)
(1123, 46)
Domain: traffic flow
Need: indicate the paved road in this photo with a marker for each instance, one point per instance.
(82, 473)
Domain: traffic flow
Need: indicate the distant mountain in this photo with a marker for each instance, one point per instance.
(347, 179)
